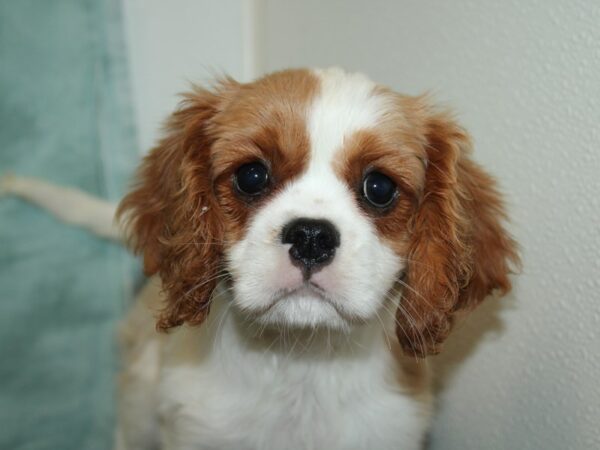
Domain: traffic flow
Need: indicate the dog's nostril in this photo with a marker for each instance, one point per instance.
(299, 236)
(313, 241)
(324, 240)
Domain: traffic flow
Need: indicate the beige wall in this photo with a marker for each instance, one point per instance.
(173, 43)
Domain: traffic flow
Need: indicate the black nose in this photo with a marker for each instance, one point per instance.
(313, 242)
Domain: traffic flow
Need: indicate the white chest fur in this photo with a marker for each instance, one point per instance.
(221, 386)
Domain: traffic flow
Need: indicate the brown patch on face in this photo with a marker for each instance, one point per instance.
(183, 210)
(394, 148)
(447, 221)
(265, 122)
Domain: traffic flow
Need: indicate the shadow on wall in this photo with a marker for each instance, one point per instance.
(484, 323)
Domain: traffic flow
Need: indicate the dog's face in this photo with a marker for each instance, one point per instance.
(322, 197)
(310, 253)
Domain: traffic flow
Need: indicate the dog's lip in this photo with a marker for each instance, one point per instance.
(309, 287)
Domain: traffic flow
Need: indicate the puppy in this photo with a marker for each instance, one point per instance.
(312, 236)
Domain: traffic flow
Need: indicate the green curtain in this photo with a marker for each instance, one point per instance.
(64, 117)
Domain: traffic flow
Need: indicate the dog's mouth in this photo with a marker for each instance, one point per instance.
(307, 301)
(308, 290)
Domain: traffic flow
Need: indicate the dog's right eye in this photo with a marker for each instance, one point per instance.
(252, 178)
(379, 190)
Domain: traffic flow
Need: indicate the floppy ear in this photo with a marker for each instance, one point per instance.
(459, 251)
(172, 216)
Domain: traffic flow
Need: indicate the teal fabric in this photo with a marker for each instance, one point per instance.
(64, 117)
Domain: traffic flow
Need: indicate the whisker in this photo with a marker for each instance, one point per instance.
(411, 321)
(408, 315)
(204, 282)
(419, 316)
(271, 344)
(218, 335)
(405, 334)
(291, 350)
(205, 243)
(410, 288)
(389, 344)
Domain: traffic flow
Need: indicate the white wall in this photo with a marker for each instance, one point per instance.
(525, 78)
(174, 43)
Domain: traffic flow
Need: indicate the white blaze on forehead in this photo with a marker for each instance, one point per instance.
(345, 104)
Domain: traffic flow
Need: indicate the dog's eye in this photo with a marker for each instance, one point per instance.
(379, 189)
(252, 178)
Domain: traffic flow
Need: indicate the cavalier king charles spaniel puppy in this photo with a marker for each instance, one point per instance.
(313, 235)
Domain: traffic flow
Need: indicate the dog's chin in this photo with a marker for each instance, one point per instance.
(305, 307)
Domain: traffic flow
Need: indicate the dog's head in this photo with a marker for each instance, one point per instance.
(322, 197)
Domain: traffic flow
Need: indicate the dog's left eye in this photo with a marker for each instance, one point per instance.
(379, 189)
(252, 178)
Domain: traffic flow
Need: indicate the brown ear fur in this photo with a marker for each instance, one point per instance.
(459, 251)
(172, 216)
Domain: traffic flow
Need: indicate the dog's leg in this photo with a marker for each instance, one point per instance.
(141, 347)
(69, 205)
